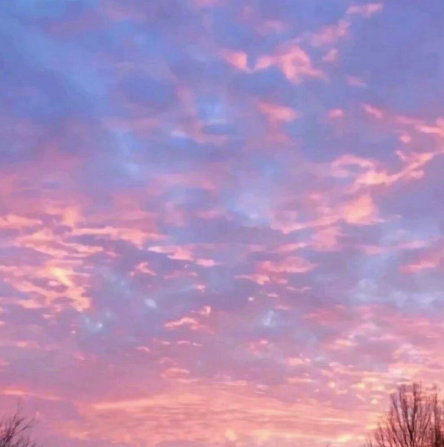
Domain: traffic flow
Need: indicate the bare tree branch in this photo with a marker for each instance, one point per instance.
(415, 419)
(15, 430)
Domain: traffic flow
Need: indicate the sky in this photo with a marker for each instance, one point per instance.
(221, 221)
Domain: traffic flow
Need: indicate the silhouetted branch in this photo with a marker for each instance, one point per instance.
(414, 419)
(15, 430)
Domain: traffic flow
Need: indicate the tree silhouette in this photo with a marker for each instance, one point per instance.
(16, 429)
(415, 419)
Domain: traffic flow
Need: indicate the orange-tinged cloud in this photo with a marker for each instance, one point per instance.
(258, 278)
(374, 174)
(13, 222)
(231, 435)
(21, 278)
(192, 323)
(237, 59)
(293, 61)
(223, 410)
(431, 259)
(62, 275)
(276, 113)
(326, 238)
(174, 252)
(292, 264)
(360, 211)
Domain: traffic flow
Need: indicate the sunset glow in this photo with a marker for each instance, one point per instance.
(222, 221)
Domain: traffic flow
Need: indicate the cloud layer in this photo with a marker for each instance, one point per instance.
(221, 222)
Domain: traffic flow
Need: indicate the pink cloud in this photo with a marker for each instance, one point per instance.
(331, 34)
(377, 113)
(427, 259)
(237, 59)
(331, 56)
(293, 61)
(335, 113)
(367, 10)
(276, 113)
(360, 210)
(292, 264)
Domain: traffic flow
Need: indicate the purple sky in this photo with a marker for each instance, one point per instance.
(221, 221)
